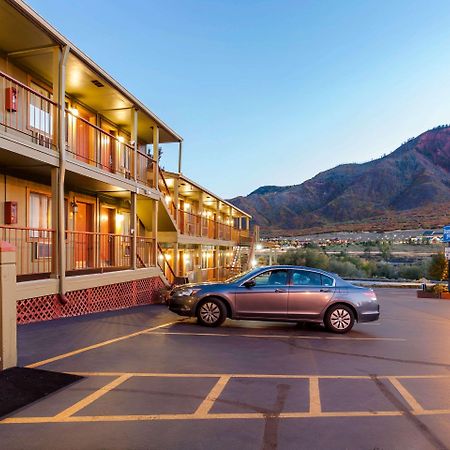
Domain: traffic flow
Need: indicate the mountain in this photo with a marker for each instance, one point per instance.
(409, 188)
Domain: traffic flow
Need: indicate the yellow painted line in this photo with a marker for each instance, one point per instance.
(314, 396)
(213, 395)
(92, 397)
(407, 396)
(100, 344)
(252, 375)
(221, 416)
(279, 336)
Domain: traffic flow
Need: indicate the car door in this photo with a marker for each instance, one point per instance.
(309, 293)
(266, 298)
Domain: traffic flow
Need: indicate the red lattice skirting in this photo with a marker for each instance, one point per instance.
(91, 300)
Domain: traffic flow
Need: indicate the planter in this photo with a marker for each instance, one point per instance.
(441, 295)
(425, 294)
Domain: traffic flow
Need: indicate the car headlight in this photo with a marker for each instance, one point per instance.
(186, 292)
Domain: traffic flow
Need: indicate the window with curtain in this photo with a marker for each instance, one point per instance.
(39, 213)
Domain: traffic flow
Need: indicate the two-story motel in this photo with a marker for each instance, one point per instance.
(96, 223)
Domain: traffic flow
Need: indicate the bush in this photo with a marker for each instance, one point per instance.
(438, 267)
(345, 269)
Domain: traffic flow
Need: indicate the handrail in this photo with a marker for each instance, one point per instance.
(14, 227)
(24, 86)
(166, 261)
(162, 178)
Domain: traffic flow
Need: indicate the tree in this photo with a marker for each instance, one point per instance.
(438, 267)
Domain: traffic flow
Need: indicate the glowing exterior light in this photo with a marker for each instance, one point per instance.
(168, 199)
(121, 139)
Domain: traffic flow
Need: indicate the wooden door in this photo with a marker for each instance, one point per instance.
(107, 235)
(83, 254)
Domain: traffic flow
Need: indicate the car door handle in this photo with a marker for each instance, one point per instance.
(325, 290)
(280, 290)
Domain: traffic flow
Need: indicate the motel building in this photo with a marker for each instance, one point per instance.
(90, 218)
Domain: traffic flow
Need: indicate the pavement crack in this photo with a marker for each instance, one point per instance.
(415, 421)
(271, 420)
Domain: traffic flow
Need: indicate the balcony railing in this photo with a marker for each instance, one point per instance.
(96, 147)
(85, 251)
(145, 252)
(191, 224)
(33, 250)
(26, 112)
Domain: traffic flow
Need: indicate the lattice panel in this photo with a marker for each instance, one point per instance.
(91, 300)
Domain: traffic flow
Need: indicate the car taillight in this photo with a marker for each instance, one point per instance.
(371, 295)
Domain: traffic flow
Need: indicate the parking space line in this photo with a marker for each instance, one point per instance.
(203, 410)
(277, 336)
(214, 416)
(252, 375)
(407, 396)
(315, 406)
(213, 395)
(100, 344)
(92, 397)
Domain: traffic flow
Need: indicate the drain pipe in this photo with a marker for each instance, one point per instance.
(63, 54)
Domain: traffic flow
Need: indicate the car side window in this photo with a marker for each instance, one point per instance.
(277, 277)
(306, 278)
(327, 281)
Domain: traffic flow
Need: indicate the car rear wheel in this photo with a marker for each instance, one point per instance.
(339, 319)
(211, 313)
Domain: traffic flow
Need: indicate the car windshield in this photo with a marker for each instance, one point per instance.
(239, 276)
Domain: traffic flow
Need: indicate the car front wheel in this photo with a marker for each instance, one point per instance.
(211, 313)
(339, 319)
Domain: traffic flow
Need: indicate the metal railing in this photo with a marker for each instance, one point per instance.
(91, 251)
(167, 195)
(34, 247)
(27, 112)
(145, 252)
(165, 266)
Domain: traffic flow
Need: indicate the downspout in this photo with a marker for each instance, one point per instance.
(62, 172)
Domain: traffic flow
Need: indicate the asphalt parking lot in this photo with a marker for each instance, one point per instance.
(154, 381)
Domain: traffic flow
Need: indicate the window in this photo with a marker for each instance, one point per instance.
(309, 278)
(39, 215)
(40, 117)
(272, 278)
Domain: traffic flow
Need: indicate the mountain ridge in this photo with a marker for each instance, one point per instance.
(414, 176)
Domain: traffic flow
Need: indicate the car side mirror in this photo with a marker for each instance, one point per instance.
(249, 284)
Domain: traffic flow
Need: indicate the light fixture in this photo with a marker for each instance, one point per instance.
(121, 139)
(119, 218)
(74, 206)
(167, 256)
(168, 198)
(187, 206)
(74, 111)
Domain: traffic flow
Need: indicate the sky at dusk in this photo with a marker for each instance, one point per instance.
(272, 92)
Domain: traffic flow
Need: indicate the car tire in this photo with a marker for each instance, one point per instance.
(339, 319)
(211, 312)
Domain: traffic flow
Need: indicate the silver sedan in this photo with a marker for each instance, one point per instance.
(278, 293)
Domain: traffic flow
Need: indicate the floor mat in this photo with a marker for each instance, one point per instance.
(20, 386)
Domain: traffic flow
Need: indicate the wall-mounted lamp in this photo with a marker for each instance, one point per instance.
(74, 206)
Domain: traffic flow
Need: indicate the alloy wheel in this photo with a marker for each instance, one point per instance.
(340, 319)
(210, 312)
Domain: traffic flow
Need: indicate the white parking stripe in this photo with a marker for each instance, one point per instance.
(277, 336)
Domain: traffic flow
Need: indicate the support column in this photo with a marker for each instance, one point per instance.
(155, 202)
(176, 259)
(155, 229)
(55, 222)
(60, 96)
(180, 156)
(8, 314)
(133, 230)
(134, 139)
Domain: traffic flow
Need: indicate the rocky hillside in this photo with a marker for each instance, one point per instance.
(414, 177)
